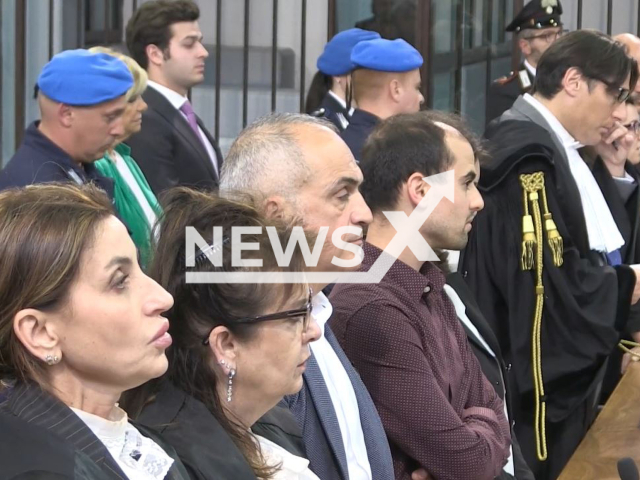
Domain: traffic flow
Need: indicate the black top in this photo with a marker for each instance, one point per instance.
(205, 448)
(361, 125)
(41, 438)
(39, 160)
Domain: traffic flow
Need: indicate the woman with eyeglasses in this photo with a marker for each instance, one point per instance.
(238, 348)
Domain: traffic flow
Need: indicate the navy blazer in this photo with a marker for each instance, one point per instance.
(39, 160)
(315, 414)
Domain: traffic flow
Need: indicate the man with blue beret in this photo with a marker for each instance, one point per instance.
(81, 97)
(334, 67)
(385, 82)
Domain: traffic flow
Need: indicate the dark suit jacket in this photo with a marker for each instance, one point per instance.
(204, 447)
(315, 414)
(503, 93)
(493, 367)
(168, 150)
(40, 437)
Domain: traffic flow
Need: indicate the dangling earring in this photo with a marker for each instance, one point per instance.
(51, 359)
(230, 375)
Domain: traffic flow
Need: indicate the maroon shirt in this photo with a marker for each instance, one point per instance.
(406, 342)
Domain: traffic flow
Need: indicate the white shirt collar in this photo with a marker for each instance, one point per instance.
(531, 68)
(322, 310)
(174, 97)
(341, 102)
(565, 137)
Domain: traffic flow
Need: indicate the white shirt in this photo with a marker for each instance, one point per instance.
(177, 100)
(461, 313)
(140, 458)
(130, 180)
(342, 394)
(602, 230)
(531, 68)
(292, 467)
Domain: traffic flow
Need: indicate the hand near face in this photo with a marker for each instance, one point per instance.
(615, 145)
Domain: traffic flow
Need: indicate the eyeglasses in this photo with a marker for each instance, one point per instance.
(548, 37)
(619, 93)
(634, 127)
(297, 312)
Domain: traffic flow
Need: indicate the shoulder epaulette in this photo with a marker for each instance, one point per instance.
(506, 79)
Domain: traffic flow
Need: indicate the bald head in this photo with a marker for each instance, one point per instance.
(268, 157)
(632, 44)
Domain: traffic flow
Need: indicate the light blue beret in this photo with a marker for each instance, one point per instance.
(386, 55)
(336, 58)
(82, 78)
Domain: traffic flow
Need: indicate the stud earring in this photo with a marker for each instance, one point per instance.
(51, 359)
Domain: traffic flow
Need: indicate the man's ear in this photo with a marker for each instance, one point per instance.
(417, 188)
(275, 207)
(395, 89)
(155, 56)
(573, 82)
(525, 47)
(36, 333)
(65, 115)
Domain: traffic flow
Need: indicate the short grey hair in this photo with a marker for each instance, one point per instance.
(266, 158)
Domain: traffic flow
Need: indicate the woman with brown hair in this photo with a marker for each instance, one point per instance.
(80, 323)
(238, 347)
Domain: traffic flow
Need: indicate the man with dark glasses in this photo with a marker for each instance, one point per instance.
(536, 26)
(544, 258)
(632, 44)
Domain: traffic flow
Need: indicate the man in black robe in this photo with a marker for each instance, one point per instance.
(543, 258)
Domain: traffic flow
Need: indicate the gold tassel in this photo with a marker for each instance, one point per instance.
(553, 236)
(528, 243)
(555, 240)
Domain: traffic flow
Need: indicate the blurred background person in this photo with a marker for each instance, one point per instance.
(80, 323)
(238, 347)
(536, 27)
(81, 98)
(330, 91)
(173, 147)
(134, 200)
(385, 82)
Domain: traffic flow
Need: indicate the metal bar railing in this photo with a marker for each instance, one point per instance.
(218, 64)
(274, 57)
(20, 73)
(303, 52)
(245, 64)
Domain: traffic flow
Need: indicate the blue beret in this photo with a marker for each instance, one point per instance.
(386, 55)
(82, 78)
(336, 58)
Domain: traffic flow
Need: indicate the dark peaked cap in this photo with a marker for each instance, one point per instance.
(537, 14)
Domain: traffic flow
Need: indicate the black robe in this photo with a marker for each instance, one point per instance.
(626, 213)
(586, 302)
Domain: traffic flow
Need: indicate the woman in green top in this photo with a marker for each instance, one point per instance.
(134, 201)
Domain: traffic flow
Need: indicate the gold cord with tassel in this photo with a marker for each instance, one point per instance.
(532, 240)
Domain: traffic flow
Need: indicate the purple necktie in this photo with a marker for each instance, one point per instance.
(187, 109)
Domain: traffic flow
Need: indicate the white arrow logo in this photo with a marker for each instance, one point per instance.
(407, 236)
